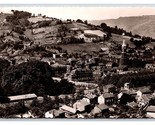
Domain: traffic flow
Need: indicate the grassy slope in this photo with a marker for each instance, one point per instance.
(143, 25)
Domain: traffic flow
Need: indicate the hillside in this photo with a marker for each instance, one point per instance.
(143, 25)
(22, 30)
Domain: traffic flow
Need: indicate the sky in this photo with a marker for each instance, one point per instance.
(84, 13)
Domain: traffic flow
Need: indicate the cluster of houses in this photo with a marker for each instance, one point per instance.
(95, 104)
(104, 104)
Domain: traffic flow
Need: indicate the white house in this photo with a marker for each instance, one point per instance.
(106, 98)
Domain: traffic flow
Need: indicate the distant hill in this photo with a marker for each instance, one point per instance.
(143, 25)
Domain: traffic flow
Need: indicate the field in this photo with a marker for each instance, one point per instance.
(85, 47)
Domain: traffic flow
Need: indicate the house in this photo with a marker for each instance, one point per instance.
(68, 109)
(143, 100)
(55, 55)
(59, 70)
(144, 90)
(104, 51)
(132, 104)
(106, 98)
(109, 88)
(82, 106)
(122, 68)
(75, 31)
(92, 99)
(89, 91)
(125, 97)
(81, 75)
(150, 66)
(150, 112)
(72, 61)
(97, 35)
(111, 65)
(55, 114)
(101, 110)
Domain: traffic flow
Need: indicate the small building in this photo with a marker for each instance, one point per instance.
(125, 97)
(55, 114)
(101, 110)
(59, 70)
(82, 106)
(68, 109)
(106, 98)
(111, 65)
(150, 66)
(92, 99)
(94, 35)
(81, 75)
(75, 31)
(122, 68)
(150, 112)
(144, 90)
(89, 91)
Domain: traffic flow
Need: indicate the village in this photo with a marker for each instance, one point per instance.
(115, 81)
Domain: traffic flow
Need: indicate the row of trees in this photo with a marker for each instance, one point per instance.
(19, 18)
(115, 30)
(140, 43)
(136, 79)
(72, 40)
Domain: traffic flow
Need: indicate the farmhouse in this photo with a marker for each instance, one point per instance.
(93, 35)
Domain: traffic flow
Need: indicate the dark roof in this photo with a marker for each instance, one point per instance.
(151, 109)
(145, 89)
(108, 95)
(108, 86)
(102, 106)
(90, 96)
(122, 67)
(56, 112)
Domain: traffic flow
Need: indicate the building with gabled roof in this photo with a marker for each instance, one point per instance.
(68, 109)
(22, 97)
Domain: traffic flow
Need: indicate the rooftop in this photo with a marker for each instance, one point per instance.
(102, 106)
(95, 32)
(68, 109)
(108, 95)
(22, 97)
(150, 108)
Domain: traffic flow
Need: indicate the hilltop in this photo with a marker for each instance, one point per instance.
(143, 25)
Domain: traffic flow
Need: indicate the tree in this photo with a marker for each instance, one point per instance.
(79, 21)
(27, 77)
(85, 22)
(104, 26)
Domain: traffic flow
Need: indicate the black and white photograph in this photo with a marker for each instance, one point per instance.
(77, 62)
